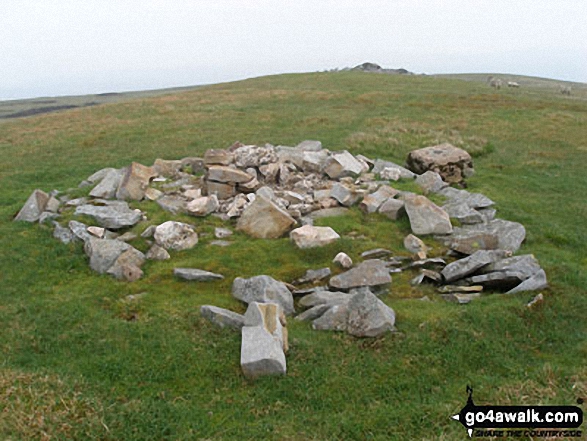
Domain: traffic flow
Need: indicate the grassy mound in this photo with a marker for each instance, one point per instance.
(150, 367)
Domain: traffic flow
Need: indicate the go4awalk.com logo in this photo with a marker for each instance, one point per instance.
(520, 421)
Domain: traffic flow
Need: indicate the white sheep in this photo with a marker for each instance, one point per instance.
(565, 90)
(513, 84)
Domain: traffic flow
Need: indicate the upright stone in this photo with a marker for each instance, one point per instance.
(108, 186)
(135, 181)
(33, 207)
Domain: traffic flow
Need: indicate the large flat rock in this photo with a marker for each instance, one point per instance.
(426, 217)
(311, 237)
(372, 272)
(116, 216)
(263, 219)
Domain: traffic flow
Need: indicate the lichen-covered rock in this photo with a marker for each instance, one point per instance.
(176, 236)
(113, 217)
(453, 164)
(134, 182)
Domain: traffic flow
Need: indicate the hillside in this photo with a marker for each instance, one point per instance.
(82, 360)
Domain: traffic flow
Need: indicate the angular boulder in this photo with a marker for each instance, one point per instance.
(203, 206)
(343, 260)
(368, 273)
(343, 164)
(33, 207)
(263, 219)
(220, 173)
(176, 236)
(372, 202)
(103, 253)
(128, 265)
(311, 237)
(134, 182)
(470, 264)
(368, 316)
(426, 217)
(107, 187)
(430, 182)
(381, 165)
(264, 341)
(392, 208)
(263, 289)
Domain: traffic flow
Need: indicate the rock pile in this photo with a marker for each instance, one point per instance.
(268, 192)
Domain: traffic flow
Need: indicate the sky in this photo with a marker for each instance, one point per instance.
(77, 47)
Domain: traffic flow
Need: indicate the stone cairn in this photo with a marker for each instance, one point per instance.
(272, 191)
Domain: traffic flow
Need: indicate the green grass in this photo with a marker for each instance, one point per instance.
(79, 360)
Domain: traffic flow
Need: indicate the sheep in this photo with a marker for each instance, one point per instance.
(565, 90)
(495, 82)
(513, 84)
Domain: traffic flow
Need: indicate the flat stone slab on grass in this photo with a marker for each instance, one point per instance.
(368, 273)
(113, 217)
(222, 317)
(311, 237)
(196, 275)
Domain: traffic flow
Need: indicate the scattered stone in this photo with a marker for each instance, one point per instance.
(63, 234)
(153, 194)
(324, 298)
(310, 146)
(220, 243)
(415, 246)
(196, 275)
(167, 168)
(463, 213)
(254, 156)
(377, 253)
(76, 202)
(343, 164)
(264, 341)
(99, 175)
(496, 234)
(203, 206)
(430, 262)
(53, 205)
(176, 236)
(447, 289)
(173, 204)
(381, 165)
(426, 217)
(311, 237)
(390, 174)
(128, 265)
(264, 289)
(220, 173)
(127, 237)
(112, 217)
(218, 157)
(536, 282)
(265, 220)
(334, 319)
(157, 253)
(33, 207)
(536, 301)
(222, 317)
(328, 212)
(461, 299)
(430, 182)
(79, 230)
(373, 201)
(344, 195)
(367, 273)
(222, 233)
(220, 189)
(343, 260)
(47, 216)
(108, 185)
(312, 276)
(149, 231)
(392, 208)
(314, 162)
(453, 164)
(368, 316)
(463, 267)
(103, 252)
(135, 180)
(313, 313)
(97, 232)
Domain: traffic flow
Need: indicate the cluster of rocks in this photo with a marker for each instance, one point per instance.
(269, 192)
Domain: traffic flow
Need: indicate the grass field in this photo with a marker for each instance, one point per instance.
(79, 360)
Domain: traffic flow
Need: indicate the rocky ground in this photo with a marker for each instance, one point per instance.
(272, 191)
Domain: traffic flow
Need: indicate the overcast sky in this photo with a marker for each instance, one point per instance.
(66, 47)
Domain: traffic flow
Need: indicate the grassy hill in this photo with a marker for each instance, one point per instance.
(82, 361)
